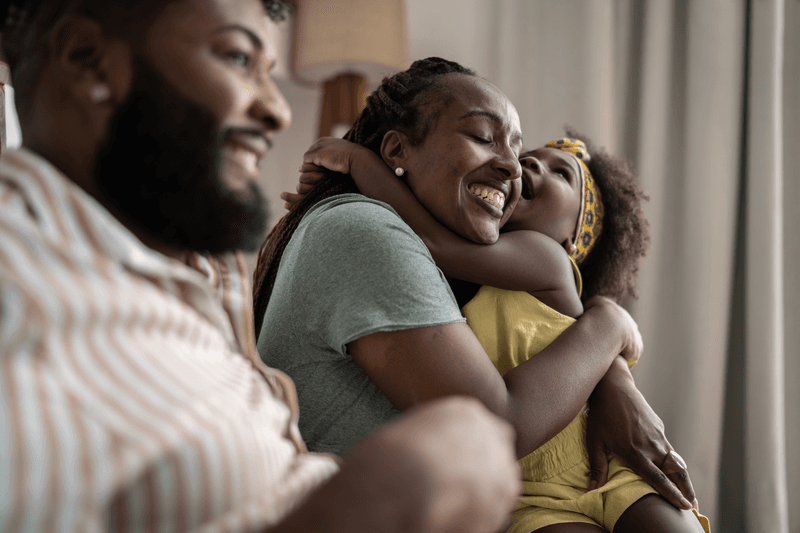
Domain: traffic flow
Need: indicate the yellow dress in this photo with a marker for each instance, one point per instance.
(513, 327)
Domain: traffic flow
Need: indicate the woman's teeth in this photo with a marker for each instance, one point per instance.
(488, 194)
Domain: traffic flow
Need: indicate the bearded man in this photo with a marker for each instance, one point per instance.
(131, 394)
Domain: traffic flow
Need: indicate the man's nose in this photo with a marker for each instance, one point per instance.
(271, 108)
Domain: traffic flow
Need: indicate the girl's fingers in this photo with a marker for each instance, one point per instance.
(310, 177)
(308, 166)
(304, 188)
(290, 199)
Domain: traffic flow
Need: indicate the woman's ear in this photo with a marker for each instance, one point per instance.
(394, 149)
(96, 70)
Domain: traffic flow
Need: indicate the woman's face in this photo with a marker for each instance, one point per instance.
(466, 172)
(551, 194)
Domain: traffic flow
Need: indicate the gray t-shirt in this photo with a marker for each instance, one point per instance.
(352, 268)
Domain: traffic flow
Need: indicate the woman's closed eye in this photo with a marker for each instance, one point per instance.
(481, 139)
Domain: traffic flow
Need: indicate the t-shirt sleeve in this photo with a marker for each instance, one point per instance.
(360, 269)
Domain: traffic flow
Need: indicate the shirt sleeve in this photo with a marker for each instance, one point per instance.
(357, 268)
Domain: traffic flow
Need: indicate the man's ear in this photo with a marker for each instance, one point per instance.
(95, 68)
(394, 149)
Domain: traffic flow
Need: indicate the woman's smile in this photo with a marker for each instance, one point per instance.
(487, 194)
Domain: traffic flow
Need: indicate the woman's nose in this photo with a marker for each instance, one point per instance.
(508, 166)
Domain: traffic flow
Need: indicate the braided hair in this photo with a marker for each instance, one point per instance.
(612, 266)
(25, 25)
(406, 102)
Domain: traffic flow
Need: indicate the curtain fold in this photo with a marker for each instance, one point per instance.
(765, 444)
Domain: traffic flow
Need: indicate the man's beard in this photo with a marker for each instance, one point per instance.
(160, 167)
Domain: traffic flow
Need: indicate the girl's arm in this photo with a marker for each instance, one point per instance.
(519, 260)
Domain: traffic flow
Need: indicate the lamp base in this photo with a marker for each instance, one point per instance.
(343, 99)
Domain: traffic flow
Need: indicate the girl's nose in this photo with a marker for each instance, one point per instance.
(531, 163)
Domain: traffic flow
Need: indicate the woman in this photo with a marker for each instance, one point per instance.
(367, 326)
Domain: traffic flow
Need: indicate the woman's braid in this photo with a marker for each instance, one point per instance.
(400, 103)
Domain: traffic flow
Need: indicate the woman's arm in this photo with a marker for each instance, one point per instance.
(416, 365)
(623, 423)
(520, 260)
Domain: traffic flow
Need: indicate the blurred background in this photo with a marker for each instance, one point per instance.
(702, 96)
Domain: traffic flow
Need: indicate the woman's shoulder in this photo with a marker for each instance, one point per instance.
(353, 215)
(347, 206)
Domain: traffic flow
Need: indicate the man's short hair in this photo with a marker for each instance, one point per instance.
(25, 25)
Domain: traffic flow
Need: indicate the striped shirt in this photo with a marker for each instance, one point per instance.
(131, 394)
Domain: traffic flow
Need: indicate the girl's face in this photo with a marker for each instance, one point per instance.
(466, 171)
(551, 195)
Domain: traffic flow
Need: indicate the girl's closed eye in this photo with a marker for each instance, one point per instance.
(564, 173)
(481, 139)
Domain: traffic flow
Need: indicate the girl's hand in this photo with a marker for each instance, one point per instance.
(327, 153)
(332, 154)
(623, 424)
(310, 174)
(632, 345)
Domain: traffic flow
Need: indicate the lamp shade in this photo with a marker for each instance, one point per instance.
(367, 37)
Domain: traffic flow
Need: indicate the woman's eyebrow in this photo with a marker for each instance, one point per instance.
(517, 135)
(257, 42)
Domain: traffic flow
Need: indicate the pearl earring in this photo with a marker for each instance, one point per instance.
(573, 248)
(399, 171)
(100, 93)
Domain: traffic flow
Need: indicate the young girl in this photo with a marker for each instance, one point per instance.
(532, 279)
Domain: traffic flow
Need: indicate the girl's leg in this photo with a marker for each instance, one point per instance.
(654, 514)
(575, 527)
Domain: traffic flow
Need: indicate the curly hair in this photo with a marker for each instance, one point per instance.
(408, 102)
(25, 24)
(612, 266)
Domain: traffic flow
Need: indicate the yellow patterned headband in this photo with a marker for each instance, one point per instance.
(590, 218)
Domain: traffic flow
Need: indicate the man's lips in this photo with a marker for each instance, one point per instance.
(246, 151)
(256, 144)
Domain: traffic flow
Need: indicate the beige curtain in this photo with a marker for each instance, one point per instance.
(702, 96)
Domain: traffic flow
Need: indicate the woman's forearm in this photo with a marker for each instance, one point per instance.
(559, 380)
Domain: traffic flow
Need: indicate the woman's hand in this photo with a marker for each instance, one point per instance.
(621, 422)
(632, 345)
(327, 153)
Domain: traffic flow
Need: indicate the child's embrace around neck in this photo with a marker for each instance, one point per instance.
(574, 204)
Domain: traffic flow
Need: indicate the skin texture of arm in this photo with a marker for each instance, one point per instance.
(447, 466)
(519, 260)
(416, 365)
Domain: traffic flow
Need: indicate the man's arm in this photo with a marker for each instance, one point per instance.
(445, 466)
